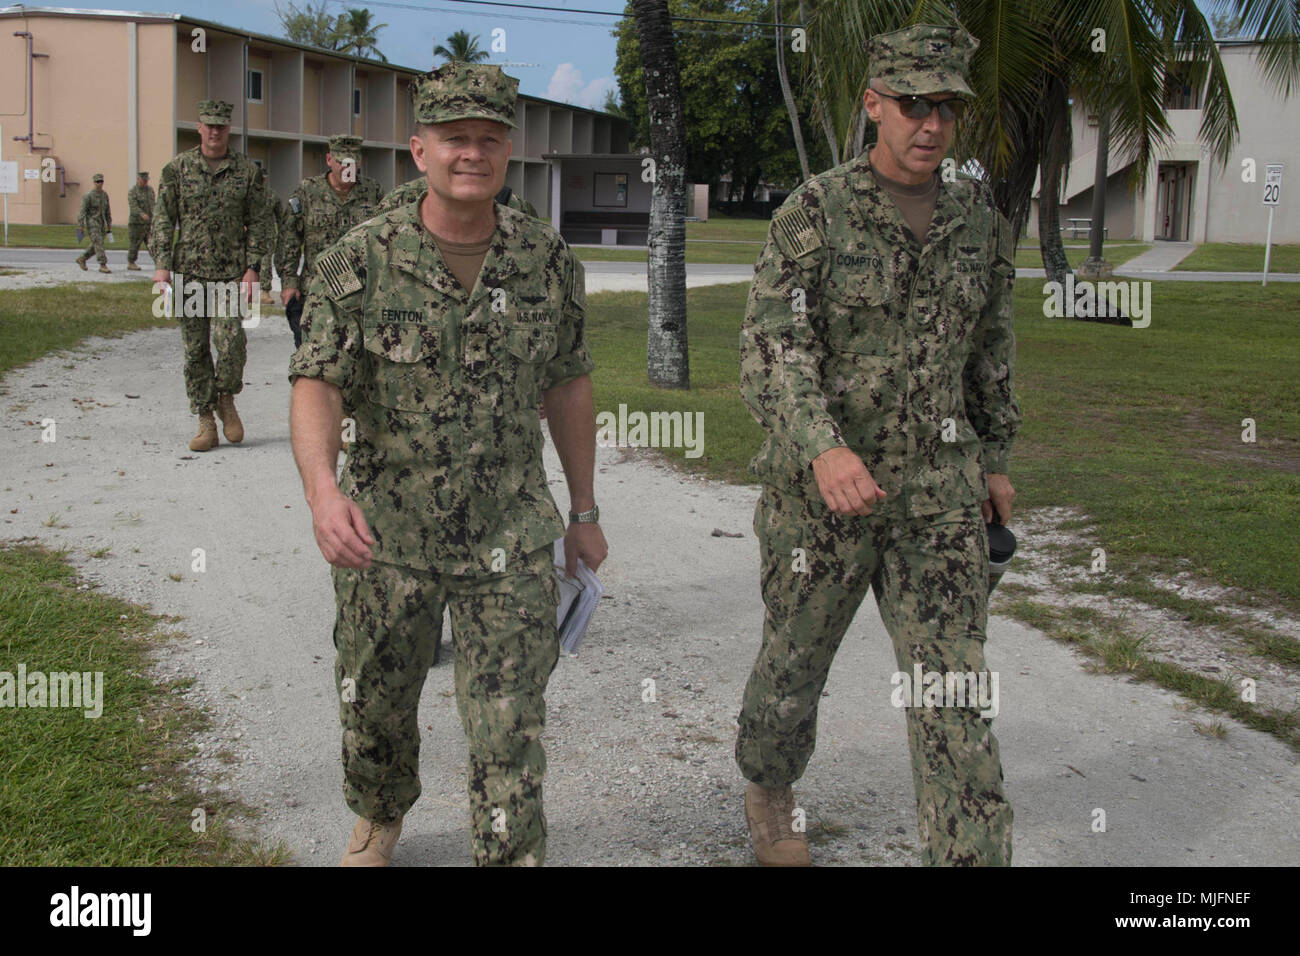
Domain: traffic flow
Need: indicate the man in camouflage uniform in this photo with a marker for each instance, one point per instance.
(321, 210)
(95, 219)
(416, 188)
(275, 211)
(139, 202)
(877, 352)
(210, 225)
(443, 323)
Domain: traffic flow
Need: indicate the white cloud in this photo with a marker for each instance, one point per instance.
(567, 86)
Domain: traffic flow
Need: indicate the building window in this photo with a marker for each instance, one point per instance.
(254, 86)
(356, 102)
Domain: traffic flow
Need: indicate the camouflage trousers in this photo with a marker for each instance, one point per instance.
(204, 379)
(137, 235)
(503, 628)
(930, 579)
(96, 248)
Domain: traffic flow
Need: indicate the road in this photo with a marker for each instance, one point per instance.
(631, 781)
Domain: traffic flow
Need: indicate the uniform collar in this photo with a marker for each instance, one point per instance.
(412, 250)
(333, 193)
(878, 208)
(202, 160)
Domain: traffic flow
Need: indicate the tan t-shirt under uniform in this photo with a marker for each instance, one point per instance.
(916, 203)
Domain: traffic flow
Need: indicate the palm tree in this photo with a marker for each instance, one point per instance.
(461, 46)
(667, 362)
(354, 33)
(788, 96)
(1035, 55)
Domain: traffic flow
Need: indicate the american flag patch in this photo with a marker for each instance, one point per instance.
(794, 226)
(338, 274)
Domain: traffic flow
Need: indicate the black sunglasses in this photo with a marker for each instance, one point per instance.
(918, 107)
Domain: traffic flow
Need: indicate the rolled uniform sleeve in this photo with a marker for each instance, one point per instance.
(781, 352)
(988, 378)
(332, 343)
(571, 356)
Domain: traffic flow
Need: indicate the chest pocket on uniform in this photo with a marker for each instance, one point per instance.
(967, 284)
(404, 356)
(857, 311)
(531, 335)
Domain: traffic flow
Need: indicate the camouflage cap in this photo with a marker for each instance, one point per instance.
(459, 90)
(345, 147)
(215, 112)
(143, 174)
(922, 59)
(97, 178)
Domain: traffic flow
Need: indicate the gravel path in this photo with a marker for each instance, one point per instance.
(630, 782)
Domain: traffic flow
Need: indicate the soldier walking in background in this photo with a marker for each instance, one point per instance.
(877, 352)
(139, 202)
(210, 225)
(444, 323)
(321, 210)
(275, 219)
(95, 219)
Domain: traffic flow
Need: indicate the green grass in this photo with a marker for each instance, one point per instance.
(617, 330)
(36, 321)
(719, 226)
(59, 237)
(1139, 428)
(108, 790)
(1240, 257)
(1029, 256)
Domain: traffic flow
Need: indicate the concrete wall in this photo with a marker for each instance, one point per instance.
(191, 80)
(1223, 208)
(312, 84)
(1230, 210)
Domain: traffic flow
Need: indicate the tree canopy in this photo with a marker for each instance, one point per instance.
(736, 121)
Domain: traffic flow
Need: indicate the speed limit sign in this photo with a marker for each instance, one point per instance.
(1272, 184)
(1272, 195)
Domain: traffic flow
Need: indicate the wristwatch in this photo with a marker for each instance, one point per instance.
(587, 517)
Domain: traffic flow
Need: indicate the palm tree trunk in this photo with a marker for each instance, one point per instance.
(827, 126)
(789, 97)
(1049, 222)
(667, 360)
(1098, 233)
(1055, 154)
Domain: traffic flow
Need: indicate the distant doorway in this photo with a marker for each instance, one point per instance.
(1174, 201)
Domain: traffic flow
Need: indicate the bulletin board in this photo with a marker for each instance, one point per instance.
(610, 189)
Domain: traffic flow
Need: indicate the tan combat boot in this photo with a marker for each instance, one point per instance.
(372, 844)
(770, 814)
(230, 423)
(81, 262)
(206, 439)
(133, 267)
(105, 269)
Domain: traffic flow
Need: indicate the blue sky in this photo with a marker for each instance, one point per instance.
(572, 62)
